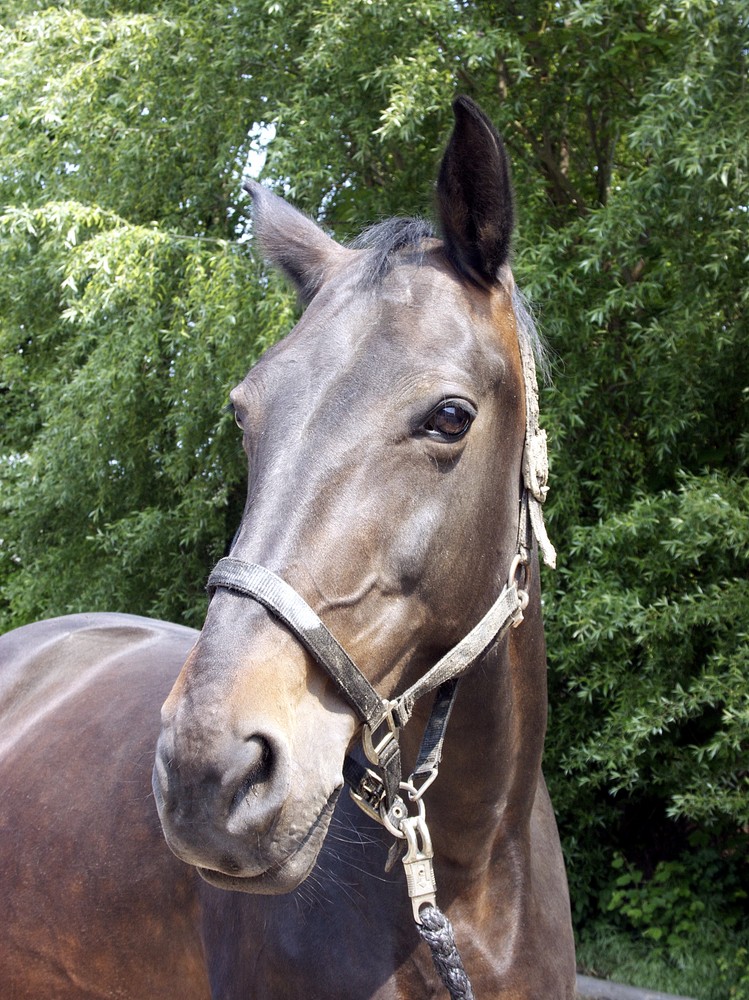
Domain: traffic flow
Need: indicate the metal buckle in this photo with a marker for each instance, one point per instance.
(370, 795)
(373, 752)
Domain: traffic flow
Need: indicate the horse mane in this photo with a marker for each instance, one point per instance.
(529, 334)
(387, 240)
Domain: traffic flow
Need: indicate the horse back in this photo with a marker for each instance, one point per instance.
(94, 901)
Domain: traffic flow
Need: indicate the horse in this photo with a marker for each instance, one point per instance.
(388, 549)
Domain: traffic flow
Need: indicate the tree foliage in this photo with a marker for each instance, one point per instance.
(128, 307)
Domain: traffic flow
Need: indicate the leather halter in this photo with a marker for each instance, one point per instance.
(376, 788)
(380, 716)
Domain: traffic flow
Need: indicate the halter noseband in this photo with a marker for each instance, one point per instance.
(376, 789)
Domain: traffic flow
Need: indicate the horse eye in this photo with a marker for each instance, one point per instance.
(236, 415)
(231, 408)
(449, 421)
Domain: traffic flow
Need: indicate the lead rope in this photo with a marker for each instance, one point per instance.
(437, 931)
(433, 926)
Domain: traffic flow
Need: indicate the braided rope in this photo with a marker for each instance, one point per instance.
(438, 933)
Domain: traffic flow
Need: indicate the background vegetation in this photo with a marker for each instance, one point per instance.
(129, 304)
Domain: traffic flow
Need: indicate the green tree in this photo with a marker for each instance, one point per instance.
(128, 306)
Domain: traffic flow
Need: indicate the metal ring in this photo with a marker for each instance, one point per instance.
(385, 813)
(515, 566)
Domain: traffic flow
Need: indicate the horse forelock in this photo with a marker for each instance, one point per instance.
(387, 243)
(399, 239)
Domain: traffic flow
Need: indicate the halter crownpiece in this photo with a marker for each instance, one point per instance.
(535, 463)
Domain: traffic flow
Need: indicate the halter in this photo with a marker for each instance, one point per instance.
(379, 789)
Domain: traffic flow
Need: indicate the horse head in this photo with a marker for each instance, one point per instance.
(385, 438)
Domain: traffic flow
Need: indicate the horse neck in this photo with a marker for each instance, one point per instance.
(491, 764)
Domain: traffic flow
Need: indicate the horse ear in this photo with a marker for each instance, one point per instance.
(474, 196)
(293, 242)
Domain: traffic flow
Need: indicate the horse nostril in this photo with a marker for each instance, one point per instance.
(258, 765)
(258, 755)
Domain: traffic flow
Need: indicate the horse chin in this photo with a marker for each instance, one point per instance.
(286, 875)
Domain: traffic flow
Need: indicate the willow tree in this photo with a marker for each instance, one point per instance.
(130, 302)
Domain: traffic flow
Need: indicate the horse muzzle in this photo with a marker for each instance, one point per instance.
(243, 826)
(249, 761)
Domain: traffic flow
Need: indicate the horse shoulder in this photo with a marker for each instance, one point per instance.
(94, 897)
